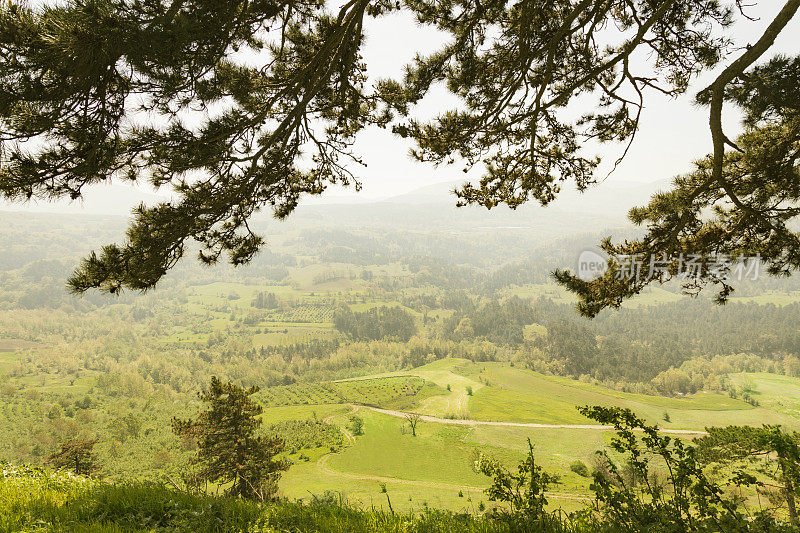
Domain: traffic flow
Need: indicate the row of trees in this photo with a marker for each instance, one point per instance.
(378, 323)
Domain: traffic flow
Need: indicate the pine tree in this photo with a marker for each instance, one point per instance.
(229, 448)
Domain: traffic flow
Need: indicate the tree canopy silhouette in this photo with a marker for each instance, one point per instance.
(247, 104)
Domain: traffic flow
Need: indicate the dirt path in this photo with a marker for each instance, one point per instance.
(436, 420)
(347, 435)
(322, 462)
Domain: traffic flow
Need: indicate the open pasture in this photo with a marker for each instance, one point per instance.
(436, 465)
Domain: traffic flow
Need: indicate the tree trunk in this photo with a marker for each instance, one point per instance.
(789, 490)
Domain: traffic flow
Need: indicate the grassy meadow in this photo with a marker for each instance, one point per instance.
(435, 466)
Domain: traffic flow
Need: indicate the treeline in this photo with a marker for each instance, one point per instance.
(377, 323)
(635, 346)
(500, 322)
(708, 328)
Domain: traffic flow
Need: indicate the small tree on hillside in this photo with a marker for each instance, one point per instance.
(229, 451)
(77, 456)
(356, 425)
(413, 420)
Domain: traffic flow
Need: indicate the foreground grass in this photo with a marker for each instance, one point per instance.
(35, 500)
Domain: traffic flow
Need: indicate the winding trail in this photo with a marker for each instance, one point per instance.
(462, 422)
(322, 462)
(347, 435)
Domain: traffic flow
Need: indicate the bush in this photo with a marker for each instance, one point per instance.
(356, 425)
(524, 490)
(580, 468)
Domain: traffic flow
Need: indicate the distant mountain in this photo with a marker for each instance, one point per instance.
(607, 198)
(610, 197)
(435, 193)
(431, 209)
(427, 210)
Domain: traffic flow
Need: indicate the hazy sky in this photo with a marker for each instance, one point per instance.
(673, 132)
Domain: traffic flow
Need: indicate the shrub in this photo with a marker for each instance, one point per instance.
(687, 500)
(523, 490)
(580, 468)
(356, 425)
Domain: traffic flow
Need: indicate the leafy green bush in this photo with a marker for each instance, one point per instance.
(524, 490)
(687, 500)
(580, 468)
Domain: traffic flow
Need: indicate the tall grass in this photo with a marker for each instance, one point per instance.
(38, 500)
(34, 500)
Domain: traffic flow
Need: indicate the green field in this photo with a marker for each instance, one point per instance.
(11, 345)
(770, 297)
(526, 396)
(772, 391)
(432, 467)
(650, 296)
(429, 469)
(507, 394)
